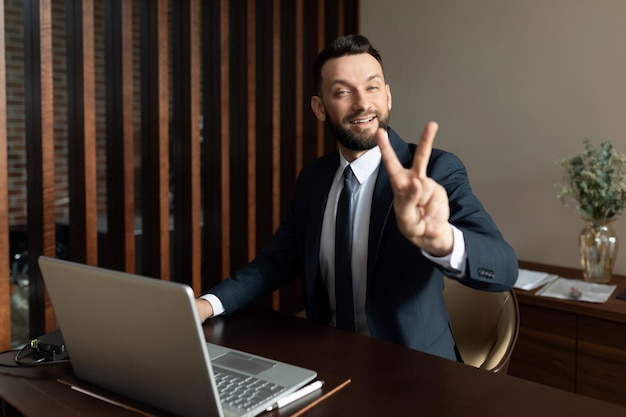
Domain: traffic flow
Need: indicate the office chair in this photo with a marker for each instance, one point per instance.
(485, 325)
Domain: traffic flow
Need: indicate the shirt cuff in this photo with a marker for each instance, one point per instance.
(218, 307)
(454, 262)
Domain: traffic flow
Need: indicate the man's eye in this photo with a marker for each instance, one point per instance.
(373, 88)
(342, 92)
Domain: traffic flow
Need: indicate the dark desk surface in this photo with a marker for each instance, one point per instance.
(386, 379)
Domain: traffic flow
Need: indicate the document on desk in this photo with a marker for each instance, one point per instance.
(529, 280)
(575, 289)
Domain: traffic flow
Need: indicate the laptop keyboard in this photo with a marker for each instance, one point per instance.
(242, 391)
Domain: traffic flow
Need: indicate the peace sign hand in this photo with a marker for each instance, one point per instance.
(420, 203)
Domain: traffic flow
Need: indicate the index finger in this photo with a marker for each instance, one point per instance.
(424, 149)
(389, 157)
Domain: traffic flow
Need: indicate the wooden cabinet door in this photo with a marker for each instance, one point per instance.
(546, 347)
(601, 371)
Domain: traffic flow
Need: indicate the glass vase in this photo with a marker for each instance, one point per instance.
(598, 245)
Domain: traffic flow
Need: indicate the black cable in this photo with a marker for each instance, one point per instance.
(21, 364)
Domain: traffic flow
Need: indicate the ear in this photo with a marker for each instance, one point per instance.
(318, 108)
(388, 96)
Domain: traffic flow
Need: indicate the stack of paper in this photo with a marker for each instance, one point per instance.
(529, 280)
(575, 289)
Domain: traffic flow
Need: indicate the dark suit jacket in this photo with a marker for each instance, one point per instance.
(405, 304)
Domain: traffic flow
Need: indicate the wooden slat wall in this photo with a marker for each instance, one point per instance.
(5, 289)
(225, 127)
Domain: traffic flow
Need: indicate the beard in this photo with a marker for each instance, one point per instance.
(351, 140)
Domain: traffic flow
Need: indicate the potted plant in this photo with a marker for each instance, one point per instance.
(595, 180)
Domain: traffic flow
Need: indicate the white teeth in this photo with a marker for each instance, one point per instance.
(355, 122)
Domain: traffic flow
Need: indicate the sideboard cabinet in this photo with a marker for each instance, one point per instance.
(572, 345)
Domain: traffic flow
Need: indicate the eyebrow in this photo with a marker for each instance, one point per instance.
(341, 81)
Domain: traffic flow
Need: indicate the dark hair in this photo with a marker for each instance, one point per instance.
(342, 46)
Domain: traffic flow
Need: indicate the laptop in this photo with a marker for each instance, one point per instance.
(142, 338)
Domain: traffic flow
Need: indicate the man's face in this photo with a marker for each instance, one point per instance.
(354, 100)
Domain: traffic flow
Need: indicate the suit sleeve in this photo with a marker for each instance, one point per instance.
(491, 261)
(273, 266)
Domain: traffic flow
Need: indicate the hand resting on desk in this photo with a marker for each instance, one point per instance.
(205, 310)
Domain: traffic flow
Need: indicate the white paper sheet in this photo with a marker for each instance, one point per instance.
(590, 292)
(529, 280)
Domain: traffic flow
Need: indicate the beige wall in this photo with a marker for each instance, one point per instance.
(515, 85)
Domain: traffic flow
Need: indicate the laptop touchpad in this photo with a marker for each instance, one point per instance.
(243, 363)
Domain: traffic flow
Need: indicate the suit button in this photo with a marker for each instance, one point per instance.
(487, 273)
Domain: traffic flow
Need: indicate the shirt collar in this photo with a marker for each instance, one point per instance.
(364, 166)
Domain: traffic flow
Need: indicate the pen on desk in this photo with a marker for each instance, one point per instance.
(306, 390)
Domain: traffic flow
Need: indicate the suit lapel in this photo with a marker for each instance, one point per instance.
(382, 202)
(319, 190)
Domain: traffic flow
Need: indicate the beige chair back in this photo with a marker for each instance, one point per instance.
(485, 325)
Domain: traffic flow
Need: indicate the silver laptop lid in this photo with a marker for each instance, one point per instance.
(138, 337)
(142, 338)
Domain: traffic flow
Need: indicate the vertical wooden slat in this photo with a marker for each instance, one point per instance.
(299, 90)
(264, 125)
(40, 156)
(5, 287)
(321, 42)
(291, 300)
(251, 134)
(276, 120)
(340, 18)
(225, 131)
(119, 241)
(239, 114)
(186, 145)
(352, 8)
(193, 124)
(155, 143)
(81, 131)
(212, 240)
(287, 104)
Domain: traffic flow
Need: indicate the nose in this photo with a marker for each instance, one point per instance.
(359, 101)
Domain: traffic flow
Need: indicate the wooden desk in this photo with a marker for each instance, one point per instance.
(572, 345)
(386, 379)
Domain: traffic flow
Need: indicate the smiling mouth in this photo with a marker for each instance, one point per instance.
(363, 120)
